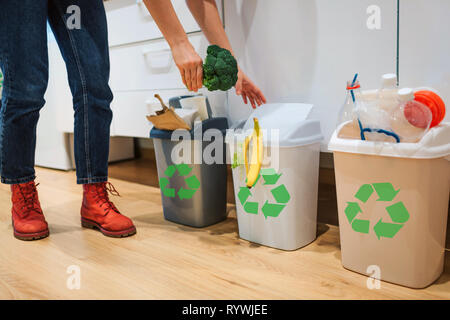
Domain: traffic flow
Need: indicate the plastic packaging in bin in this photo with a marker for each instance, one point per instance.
(388, 114)
(280, 209)
(192, 172)
(393, 205)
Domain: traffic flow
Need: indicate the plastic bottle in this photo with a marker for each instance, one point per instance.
(387, 94)
(361, 118)
(347, 115)
(411, 119)
(347, 111)
(374, 114)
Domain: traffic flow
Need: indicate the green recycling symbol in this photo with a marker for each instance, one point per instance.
(191, 181)
(386, 193)
(280, 194)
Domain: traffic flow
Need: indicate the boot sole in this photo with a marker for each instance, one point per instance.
(31, 236)
(85, 223)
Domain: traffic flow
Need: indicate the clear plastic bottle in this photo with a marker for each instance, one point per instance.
(411, 119)
(387, 95)
(347, 112)
(373, 120)
(362, 119)
(348, 118)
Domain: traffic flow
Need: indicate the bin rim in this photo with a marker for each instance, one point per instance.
(435, 144)
(219, 123)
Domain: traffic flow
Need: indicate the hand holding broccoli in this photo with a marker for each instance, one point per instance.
(190, 65)
(220, 70)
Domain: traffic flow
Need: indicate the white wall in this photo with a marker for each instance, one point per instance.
(425, 45)
(305, 50)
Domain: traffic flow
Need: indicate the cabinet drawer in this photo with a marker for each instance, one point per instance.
(149, 66)
(131, 108)
(129, 21)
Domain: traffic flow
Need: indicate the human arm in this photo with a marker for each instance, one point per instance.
(207, 16)
(187, 60)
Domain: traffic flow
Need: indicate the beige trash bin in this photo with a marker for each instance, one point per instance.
(393, 206)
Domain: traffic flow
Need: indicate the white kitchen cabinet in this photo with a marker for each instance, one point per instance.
(129, 21)
(54, 145)
(149, 65)
(141, 65)
(131, 108)
(425, 46)
(305, 51)
(59, 96)
(139, 69)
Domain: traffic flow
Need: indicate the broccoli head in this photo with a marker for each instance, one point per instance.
(219, 69)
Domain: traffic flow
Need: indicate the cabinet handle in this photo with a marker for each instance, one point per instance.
(148, 51)
(158, 59)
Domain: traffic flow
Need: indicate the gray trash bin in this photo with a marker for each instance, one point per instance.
(192, 194)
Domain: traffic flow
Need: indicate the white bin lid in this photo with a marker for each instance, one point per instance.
(435, 144)
(291, 121)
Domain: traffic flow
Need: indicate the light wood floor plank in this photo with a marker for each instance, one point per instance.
(168, 261)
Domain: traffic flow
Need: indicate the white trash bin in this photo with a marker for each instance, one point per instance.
(280, 210)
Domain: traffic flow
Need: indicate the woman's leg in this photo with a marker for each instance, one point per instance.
(24, 62)
(85, 51)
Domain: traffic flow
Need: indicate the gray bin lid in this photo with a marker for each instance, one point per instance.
(220, 123)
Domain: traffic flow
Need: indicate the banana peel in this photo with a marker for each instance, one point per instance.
(252, 171)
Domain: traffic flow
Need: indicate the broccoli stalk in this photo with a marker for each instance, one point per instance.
(219, 69)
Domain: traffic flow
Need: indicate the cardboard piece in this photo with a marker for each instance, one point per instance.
(167, 119)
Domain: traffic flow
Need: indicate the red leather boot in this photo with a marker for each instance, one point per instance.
(98, 212)
(27, 218)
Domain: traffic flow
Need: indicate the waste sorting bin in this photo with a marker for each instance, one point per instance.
(280, 210)
(193, 190)
(393, 206)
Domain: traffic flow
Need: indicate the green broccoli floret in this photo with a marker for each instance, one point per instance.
(213, 50)
(212, 83)
(219, 69)
(208, 70)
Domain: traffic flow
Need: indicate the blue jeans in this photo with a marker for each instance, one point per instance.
(24, 62)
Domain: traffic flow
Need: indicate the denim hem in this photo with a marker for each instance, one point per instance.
(91, 180)
(18, 180)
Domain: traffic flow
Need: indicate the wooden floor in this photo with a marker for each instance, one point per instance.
(168, 261)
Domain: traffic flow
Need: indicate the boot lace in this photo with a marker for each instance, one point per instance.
(29, 199)
(101, 196)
